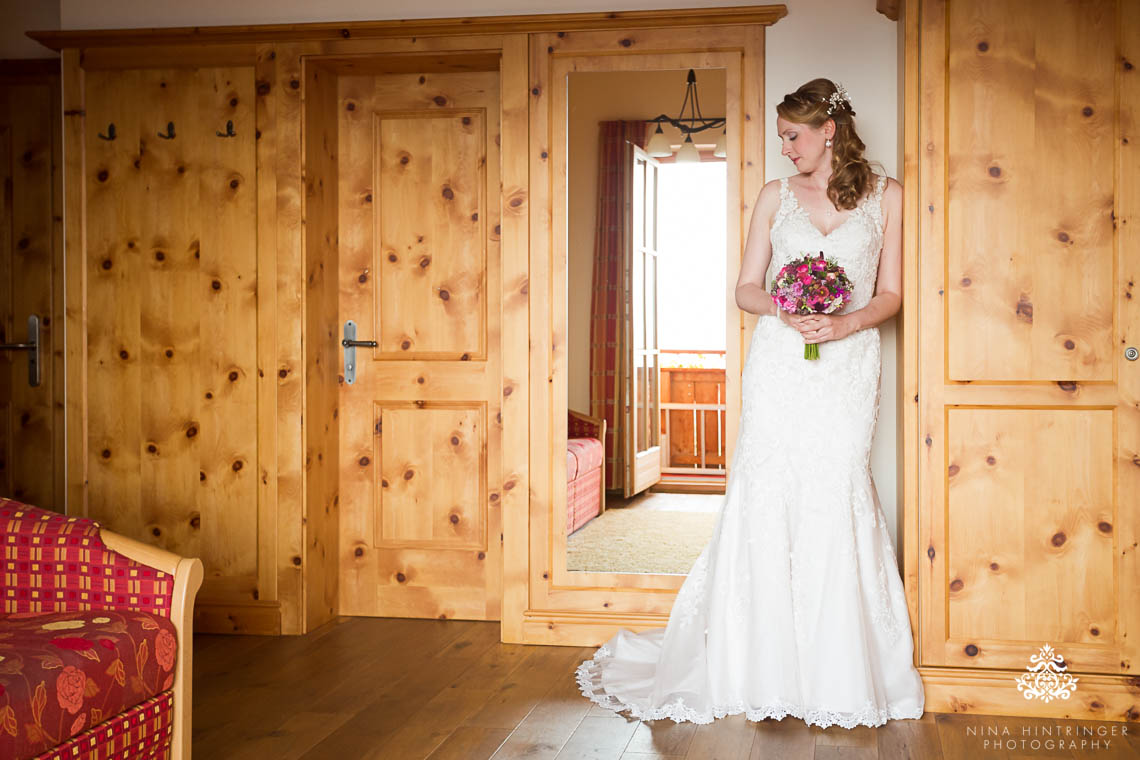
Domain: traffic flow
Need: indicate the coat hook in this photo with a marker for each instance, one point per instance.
(169, 131)
(229, 130)
(110, 132)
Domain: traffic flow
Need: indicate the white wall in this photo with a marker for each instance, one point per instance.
(21, 16)
(846, 41)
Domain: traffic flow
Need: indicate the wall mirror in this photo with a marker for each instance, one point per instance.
(647, 234)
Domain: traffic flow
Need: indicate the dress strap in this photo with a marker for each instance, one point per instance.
(786, 200)
(875, 202)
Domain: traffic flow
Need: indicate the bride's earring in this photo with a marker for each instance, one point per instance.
(828, 143)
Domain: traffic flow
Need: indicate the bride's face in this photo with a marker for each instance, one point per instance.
(804, 145)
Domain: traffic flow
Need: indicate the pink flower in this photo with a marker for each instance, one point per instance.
(164, 647)
(69, 688)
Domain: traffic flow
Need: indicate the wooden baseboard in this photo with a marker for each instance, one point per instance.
(994, 692)
(261, 619)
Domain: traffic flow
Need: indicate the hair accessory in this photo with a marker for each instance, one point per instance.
(839, 96)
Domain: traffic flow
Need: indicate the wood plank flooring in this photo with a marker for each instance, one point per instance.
(371, 688)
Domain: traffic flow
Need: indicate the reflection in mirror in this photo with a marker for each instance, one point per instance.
(646, 318)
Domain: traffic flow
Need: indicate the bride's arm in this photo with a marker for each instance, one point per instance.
(888, 283)
(751, 295)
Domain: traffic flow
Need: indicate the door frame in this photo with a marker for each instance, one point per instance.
(586, 608)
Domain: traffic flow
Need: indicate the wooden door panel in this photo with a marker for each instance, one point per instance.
(430, 256)
(31, 418)
(420, 426)
(1029, 410)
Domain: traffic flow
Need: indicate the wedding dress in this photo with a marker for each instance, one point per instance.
(795, 606)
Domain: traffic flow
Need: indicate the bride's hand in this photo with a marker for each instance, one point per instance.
(819, 328)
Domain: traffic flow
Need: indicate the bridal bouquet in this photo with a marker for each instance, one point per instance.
(811, 286)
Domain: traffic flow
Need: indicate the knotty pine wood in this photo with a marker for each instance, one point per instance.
(374, 688)
(321, 346)
(167, 321)
(1027, 406)
(31, 281)
(374, 30)
(420, 274)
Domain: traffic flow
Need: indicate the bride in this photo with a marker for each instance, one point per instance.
(795, 606)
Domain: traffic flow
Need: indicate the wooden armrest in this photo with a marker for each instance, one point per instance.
(188, 573)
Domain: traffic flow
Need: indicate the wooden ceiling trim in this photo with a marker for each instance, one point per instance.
(433, 27)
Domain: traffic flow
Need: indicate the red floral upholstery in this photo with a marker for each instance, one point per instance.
(54, 563)
(141, 733)
(64, 672)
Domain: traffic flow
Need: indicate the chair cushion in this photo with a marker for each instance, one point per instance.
(587, 453)
(63, 672)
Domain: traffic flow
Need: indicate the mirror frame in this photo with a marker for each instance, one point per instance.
(578, 607)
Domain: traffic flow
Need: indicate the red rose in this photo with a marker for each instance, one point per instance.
(69, 688)
(164, 646)
(73, 643)
(107, 643)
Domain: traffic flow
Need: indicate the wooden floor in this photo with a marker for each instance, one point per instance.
(366, 688)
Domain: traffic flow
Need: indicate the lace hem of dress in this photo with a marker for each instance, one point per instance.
(678, 712)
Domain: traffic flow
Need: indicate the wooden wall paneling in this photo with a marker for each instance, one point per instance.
(907, 320)
(74, 94)
(265, 85)
(31, 460)
(515, 487)
(321, 343)
(289, 365)
(226, 292)
(7, 314)
(113, 342)
(58, 317)
(931, 221)
(164, 267)
(563, 607)
(1126, 232)
(374, 34)
(179, 441)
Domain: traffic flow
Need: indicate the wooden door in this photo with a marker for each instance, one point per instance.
(642, 428)
(1028, 231)
(31, 283)
(420, 425)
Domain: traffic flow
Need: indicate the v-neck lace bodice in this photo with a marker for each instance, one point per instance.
(855, 243)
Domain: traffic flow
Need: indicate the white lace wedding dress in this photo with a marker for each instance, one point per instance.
(795, 606)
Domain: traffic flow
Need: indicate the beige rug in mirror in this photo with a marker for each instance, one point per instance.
(635, 540)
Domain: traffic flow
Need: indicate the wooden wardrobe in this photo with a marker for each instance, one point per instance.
(1022, 389)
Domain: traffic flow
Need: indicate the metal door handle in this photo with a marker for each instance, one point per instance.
(350, 344)
(33, 349)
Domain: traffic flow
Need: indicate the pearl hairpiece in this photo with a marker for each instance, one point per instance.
(840, 95)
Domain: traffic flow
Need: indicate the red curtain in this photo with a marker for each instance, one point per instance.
(607, 336)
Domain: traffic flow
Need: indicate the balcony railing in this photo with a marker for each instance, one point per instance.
(693, 413)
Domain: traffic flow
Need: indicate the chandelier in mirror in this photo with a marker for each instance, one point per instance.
(659, 146)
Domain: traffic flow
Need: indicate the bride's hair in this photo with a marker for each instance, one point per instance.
(850, 172)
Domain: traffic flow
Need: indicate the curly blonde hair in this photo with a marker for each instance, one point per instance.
(851, 174)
